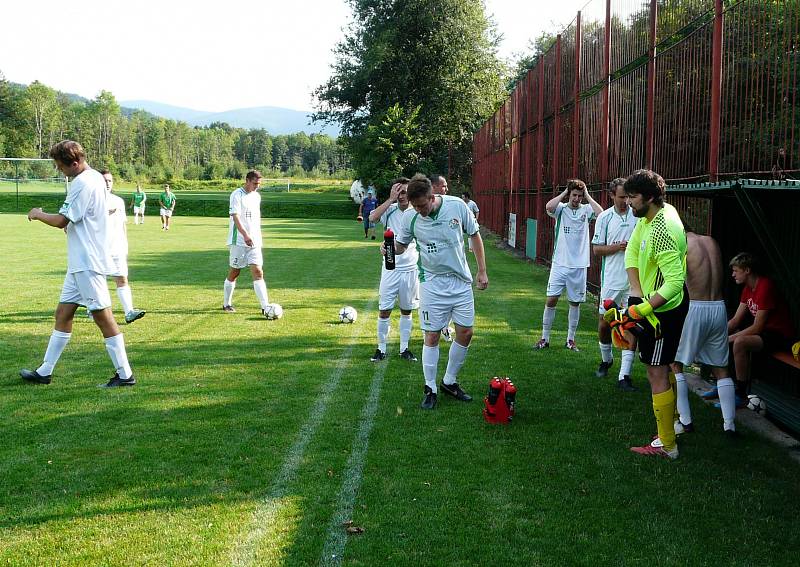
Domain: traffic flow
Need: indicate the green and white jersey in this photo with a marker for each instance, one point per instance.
(612, 227)
(167, 200)
(247, 206)
(440, 238)
(139, 199)
(392, 218)
(571, 236)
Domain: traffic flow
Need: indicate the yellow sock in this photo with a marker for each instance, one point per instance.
(664, 410)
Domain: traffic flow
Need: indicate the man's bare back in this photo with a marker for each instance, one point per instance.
(704, 271)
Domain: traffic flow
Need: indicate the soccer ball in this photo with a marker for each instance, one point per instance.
(756, 404)
(273, 311)
(348, 314)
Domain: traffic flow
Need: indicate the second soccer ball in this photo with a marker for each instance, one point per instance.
(273, 311)
(348, 314)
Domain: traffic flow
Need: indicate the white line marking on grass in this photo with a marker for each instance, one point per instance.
(264, 517)
(337, 537)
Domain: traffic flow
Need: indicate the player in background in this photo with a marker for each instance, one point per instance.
(400, 285)
(167, 203)
(472, 206)
(439, 187)
(612, 230)
(570, 257)
(655, 259)
(138, 203)
(705, 332)
(244, 241)
(118, 249)
(368, 205)
(84, 215)
(438, 224)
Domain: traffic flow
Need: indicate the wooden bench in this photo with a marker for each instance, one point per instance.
(777, 381)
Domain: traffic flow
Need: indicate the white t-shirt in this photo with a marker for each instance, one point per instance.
(572, 235)
(248, 207)
(611, 228)
(87, 233)
(440, 238)
(473, 207)
(392, 218)
(117, 237)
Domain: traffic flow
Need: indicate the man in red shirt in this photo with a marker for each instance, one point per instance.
(761, 323)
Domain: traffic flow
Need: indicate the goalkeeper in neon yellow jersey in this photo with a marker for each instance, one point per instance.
(655, 260)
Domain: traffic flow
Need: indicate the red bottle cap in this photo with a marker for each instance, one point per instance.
(388, 233)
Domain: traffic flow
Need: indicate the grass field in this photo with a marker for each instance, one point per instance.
(251, 442)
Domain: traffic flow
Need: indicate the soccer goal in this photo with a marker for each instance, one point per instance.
(30, 175)
(276, 185)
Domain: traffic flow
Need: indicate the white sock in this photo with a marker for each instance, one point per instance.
(119, 358)
(684, 410)
(455, 360)
(384, 325)
(56, 345)
(405, 331)
(547, 322)
(727, 402)
(606, 352)
(229, 287)
(260, 287)
(430, 365)
(626, 365)
(125, 298)
(573, 318)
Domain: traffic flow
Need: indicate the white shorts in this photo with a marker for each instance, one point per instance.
(165, 212)
(86, 288)
(443, 298)
(573, 280)
(243, 256)
(401, 286)
(138, 210)
(119, 266)
(620, 297)
(705, 334)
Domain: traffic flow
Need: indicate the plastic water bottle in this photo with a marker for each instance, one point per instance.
(388, 244)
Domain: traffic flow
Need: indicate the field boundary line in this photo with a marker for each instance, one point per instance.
(263, 517)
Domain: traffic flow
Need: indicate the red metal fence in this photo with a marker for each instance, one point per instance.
(697, 90)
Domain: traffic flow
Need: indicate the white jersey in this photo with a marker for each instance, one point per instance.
(571, 248)
(248, 207)
(392, 218)
(117, 237)
(87, 231)
(611, 228)
(440, 238)
(473, 207)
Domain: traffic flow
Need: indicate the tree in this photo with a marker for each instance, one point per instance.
(436, 55)
(527, 61)
(41, 103)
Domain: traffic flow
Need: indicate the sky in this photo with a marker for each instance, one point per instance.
(212, 56)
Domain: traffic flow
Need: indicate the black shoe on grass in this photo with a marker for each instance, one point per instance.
(626, 385)
(602, 370)
(378, 356)
(429, 402)
(35, 377)
(408, 355)
(117, 382)
(455, 391)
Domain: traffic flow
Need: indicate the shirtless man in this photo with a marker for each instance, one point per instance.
(705, 331)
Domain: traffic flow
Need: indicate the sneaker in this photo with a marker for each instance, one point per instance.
(740, 403)
(455, 390)
(116, 381)
(35, 377)
(656, 450)
(430, 399)
(732, 434)
(541, 344)
(448, 333)
(378, 356)
(570, 344)
(228, 309)
(408, 355)
(626, 385)
(681, 428)
(602, 370)
(712, 394)
(134, 315)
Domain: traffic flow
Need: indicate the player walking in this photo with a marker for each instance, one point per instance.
(570, 257)
(612, 231)
(138, 203)
(167, 202)
(438, 226)
(400, 285)
(244, 241)
(84, 215)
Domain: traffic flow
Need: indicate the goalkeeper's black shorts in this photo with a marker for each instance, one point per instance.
(661, 350)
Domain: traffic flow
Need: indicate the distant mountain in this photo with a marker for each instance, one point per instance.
(273, 119)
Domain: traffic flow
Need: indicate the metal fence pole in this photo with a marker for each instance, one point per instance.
(606, 98)
(556, 115)
(651, 86)
(576, 93)
(716, 93)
